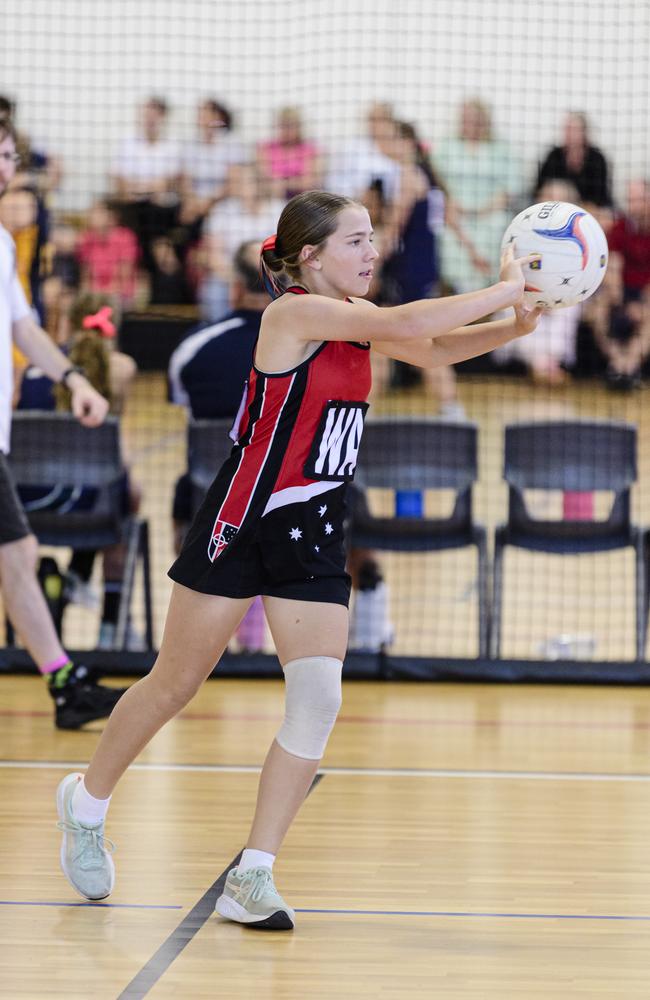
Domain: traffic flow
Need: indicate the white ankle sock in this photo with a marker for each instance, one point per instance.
(255, 859)
(86, 809)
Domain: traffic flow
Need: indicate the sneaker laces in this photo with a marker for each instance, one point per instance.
(254, 884)
(94, 845)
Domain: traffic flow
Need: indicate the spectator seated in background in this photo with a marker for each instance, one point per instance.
(108, 255)
(363, 167)
(206, 162)
(249, 213)
(167, 283)
(289, 163)
(62, 259)
(146, 178)
(629, 243)
(615, 336)
(578, 162)
(87, 335)
(550, 355)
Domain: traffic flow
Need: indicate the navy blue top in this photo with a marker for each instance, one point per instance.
(208, 369)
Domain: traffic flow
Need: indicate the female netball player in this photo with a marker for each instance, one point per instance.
(272, 524)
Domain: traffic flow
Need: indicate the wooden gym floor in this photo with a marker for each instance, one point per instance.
(483, 842)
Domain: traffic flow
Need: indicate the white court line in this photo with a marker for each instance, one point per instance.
(371, 772)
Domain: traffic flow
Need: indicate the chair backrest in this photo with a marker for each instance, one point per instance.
(571, 456)
(405, 454)
(83, 470)
(208, 447)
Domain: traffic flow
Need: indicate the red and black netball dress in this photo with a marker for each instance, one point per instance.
(272, 521)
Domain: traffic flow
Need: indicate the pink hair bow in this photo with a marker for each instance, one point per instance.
(101, 321)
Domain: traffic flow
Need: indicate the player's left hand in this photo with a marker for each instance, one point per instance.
(526, 318)
(88, 406)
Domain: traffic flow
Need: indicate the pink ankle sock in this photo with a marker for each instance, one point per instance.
(54, 665)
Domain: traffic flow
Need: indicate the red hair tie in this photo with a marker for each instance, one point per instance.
(101, 321)
(269, 242)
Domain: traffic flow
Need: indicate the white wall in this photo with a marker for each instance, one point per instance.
(78, 67)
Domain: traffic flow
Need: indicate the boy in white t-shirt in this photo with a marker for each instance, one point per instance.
(78, 699)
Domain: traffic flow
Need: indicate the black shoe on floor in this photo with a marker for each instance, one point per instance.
(82, 700)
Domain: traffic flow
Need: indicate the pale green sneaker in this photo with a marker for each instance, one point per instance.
(251, 898)
(85, 852)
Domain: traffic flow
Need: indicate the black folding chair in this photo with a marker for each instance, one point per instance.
(417, 455)
(73, 485)
(570, 456)
(208, 446)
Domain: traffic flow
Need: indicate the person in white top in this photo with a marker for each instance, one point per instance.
(364, 164)
(206, 161)
(247, 214)
(146, 175)
(77, 698)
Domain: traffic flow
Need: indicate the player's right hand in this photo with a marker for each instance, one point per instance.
(512, 271)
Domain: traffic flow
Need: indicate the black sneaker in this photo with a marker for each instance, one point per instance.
(83, 700)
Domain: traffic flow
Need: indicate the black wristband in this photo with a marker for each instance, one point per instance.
(69, 371)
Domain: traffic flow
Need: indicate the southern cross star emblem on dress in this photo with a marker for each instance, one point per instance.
(328, 529)
(321, 510)
(317, 548)
(295, 534)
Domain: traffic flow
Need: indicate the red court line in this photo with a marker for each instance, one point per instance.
(370, 720)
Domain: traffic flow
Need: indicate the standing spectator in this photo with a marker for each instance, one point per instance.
(76, 697)
(482, 178)
(629, 242)
(108, 255)
(410, 242)
(206, 162)
(290, 163)
(38, 174)
(145, 176)
(578, 162)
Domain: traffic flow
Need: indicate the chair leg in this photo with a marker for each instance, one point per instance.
(124, 609)
(146, 582)
(483, 601)
(641, 597)
(497, 596)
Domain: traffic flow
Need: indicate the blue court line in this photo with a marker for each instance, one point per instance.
(461, 913)
(105, 906)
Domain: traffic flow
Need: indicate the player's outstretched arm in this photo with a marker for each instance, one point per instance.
(317, 317)
(464, 342)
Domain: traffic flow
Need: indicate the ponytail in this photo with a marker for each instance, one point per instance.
(271, 266)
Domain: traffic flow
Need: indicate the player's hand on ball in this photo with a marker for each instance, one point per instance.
(526, 317)
(512, 271)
